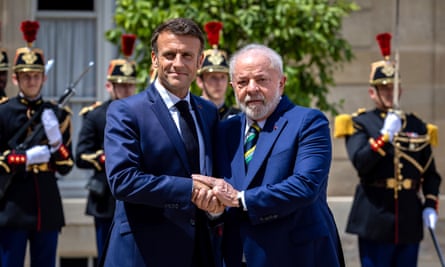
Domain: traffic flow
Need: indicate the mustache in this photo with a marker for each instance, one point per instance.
(249, 98)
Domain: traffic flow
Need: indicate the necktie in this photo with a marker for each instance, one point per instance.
(250, 142)
(189, 135)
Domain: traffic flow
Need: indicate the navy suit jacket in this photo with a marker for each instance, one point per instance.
(149, 175)
(288, 222)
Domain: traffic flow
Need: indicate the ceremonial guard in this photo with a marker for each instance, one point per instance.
(121, 83)
(35, 143)
(391, 152)
(4, 66)
(213, 76)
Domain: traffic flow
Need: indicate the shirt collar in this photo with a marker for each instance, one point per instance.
(249, 123)
(169, 99)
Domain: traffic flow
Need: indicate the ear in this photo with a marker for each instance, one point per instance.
(199, 82)
(109, 87)
(154, 60)
(371, 91)
(14, 79)
(282, 84)
(201, 60)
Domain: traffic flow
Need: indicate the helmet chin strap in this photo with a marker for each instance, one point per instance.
(380, 98)
(114, 92)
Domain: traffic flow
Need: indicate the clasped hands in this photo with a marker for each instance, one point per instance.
(213, 194)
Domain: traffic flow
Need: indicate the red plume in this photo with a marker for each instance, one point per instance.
(127, 43)
(384, 40)
(29, 30)
(212, 29)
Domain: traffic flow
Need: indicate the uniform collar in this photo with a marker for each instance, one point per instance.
(30, 103)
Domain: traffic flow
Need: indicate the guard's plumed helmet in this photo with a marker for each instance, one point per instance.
(123, 70)
(215, 60)
(3, 60)
(383, 71)
(29, 58)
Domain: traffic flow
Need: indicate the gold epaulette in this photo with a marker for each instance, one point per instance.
(343, 125)
(359, 111)
(85, 110)
(433, 133)
(3, 99)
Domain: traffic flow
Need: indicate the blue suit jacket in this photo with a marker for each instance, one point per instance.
(149, 175)
(288, 222)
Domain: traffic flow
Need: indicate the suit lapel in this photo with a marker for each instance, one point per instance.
(238, 166)
(165, 119)
(275, 124)
(265, 143)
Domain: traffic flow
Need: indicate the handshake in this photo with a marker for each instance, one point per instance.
(213, 194)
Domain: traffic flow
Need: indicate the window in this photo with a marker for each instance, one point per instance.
(69, 35)
(57, 5)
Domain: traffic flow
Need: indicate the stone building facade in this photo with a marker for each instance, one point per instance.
(422, 71)
(422, 68)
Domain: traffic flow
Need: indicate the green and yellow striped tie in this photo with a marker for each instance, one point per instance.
(250, 142)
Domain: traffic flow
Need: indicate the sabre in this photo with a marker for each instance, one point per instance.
(396, 90)
(49, 65)
(70, 91)
(437, 247)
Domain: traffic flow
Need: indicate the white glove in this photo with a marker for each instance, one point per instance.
(429, 217)
(392, 125)
(37, 154)
(52, 131)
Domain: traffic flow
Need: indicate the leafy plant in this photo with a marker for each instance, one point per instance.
(307, 33)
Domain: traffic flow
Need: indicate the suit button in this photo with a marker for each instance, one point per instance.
(192, 222)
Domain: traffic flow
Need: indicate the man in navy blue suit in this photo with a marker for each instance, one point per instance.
(275, 190)
(159, 218)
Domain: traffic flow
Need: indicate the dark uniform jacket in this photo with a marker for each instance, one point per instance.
(90, 155)
(226, 112)
(32, 201)
(387, 206)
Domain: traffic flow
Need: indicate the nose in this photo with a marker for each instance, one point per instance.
(178, 60)
(252, 86)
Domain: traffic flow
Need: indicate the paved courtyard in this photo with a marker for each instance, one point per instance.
(427, 255)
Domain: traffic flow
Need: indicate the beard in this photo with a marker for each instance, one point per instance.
(259, 112)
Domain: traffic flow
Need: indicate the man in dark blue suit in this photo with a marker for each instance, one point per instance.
(275, 190)
(159, 218)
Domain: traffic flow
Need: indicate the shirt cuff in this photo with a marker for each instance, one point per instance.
(242, 200)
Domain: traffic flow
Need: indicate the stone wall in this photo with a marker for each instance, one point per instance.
(422, 64)
(422, 59)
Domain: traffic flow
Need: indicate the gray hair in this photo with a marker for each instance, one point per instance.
(276, 61)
